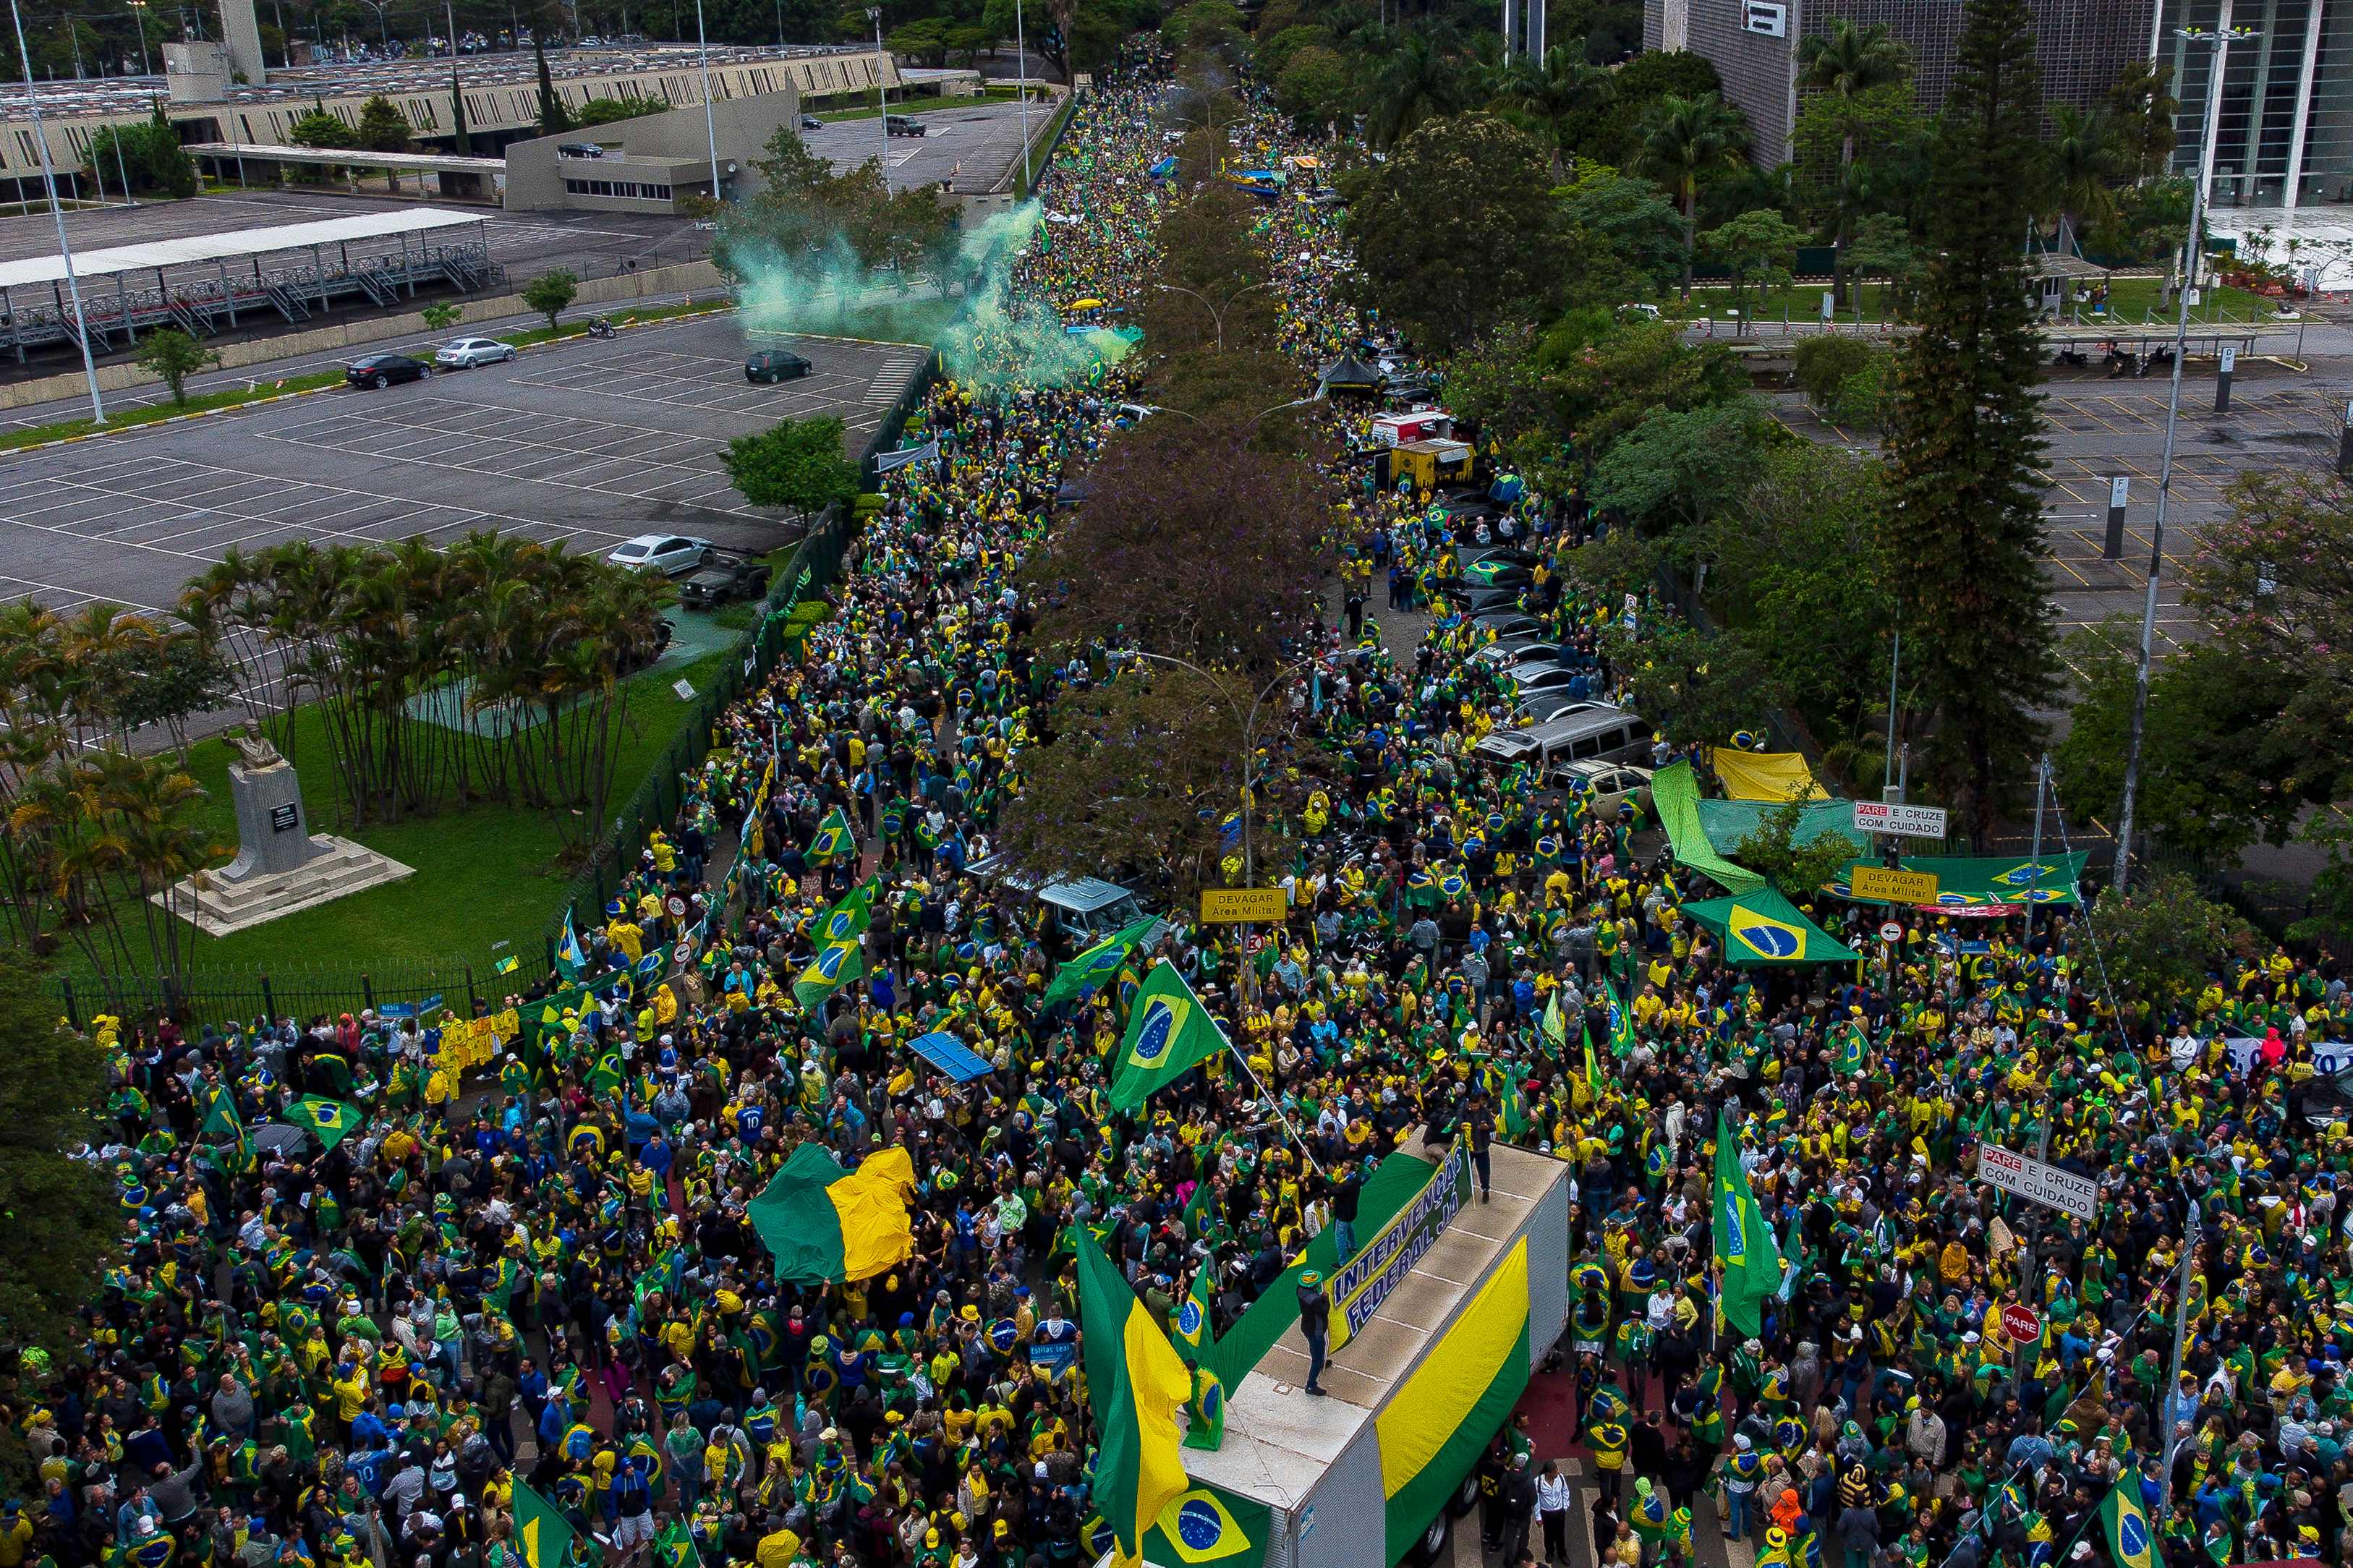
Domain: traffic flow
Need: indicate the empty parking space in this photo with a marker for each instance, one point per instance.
(585, 445)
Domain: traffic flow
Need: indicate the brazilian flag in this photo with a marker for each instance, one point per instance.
(328, 1121)
(222, 1119)
(1135, 1384)
(834, 840)
(1082, 975)
(836, 966)
(541, 1532)
(1168, 1032)
(850, 917)
(1194, 1335)
(2125, 1524)
(1205, 1410)
(674, 1547)
(1207, 1526)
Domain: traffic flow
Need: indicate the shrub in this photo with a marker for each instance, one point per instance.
(1825, 363)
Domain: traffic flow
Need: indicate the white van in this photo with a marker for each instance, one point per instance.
(1590, 732)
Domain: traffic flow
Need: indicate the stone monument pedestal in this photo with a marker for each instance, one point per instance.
(281, 867)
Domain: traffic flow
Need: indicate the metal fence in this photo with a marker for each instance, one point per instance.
(224, 996)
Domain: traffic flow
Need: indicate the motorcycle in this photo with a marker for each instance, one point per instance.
(599, 327)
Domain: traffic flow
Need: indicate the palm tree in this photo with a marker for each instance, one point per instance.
(1849, 61)
(1845, 63)
(2082, 151)
(1683, 138)
(1553, 89)
(1421, 79)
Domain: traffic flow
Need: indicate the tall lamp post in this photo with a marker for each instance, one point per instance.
(2222, 39)
(58, 215)
(881, 92)
(710, 124)
(139, 14)
(1021, 75)
(1217, 313)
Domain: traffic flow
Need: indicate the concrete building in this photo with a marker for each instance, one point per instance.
(1754, 45)
(646, 165)
(202, 94)
(2279, 134)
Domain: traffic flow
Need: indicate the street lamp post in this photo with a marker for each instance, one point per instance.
(2221, 38)
(710, 124)
(58, 215)
(139, 14)
(881, 92)
(1217, 313)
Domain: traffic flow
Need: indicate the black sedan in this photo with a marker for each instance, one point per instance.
(383, 370)
(775, 364)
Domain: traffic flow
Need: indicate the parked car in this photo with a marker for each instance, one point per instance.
(728, 577)
(579, 150)
(904, 125)
(666, 552)
(1605, 785)
(1517, 653)
(1573, 732)
(773, 365)
(1507, 622)
(465, 353)
(811, 122)
(383, 370)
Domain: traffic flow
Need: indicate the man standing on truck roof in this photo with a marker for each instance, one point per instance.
(1315, 1324)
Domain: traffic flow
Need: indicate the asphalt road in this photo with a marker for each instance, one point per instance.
(588, 443)
(970, 149)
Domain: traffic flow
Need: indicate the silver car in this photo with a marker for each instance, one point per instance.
(669, 553)
(465, 353)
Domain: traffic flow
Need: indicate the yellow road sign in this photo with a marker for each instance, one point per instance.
(1896, 887)
(1230, 904)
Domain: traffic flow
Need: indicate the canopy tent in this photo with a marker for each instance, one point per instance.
(1728, 822)
(1985, 884)
(1674, 795)
(1762, 927)
(1777, 776)
(1350, 373)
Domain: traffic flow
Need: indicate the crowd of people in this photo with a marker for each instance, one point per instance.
(349, 1347)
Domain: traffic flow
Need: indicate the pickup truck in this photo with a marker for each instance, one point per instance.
(730, 577)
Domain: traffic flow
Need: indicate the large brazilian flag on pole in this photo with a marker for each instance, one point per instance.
(1135, 1384)
(1745, 1252)
(1098, 965)
(1168, 1030)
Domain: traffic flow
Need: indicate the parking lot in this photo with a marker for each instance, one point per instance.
(970, 149)
(586, 443)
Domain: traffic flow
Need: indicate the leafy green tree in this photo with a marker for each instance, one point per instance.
(551, 292)
(1759, 245)
(797, 464)
(1552, 92)
(1616, 216)
(611, 111)
(1799, 871)
(2084, 157)
(2141, 106)
(1315, 89)
(1689, 683)
(1675, 470)
(1494, 255)
(1207, 24)
(1683, 138)
(1605, 383)
(1882, 247)
(441, 317)
(147, 155)
(172, 357)
(1849, 61)
(1608, 128)
(60, 1226)
(1963, 443)
(2163, 941)
(1276, 50)
(1419, 78)
(320, 129)
(1824, 361)
(382, 128)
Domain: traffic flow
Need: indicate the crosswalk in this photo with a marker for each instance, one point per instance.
(1710, 1548)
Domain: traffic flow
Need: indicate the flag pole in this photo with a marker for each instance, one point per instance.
(1304, 1153)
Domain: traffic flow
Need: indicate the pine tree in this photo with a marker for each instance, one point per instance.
(1965, 529)
(553, 115)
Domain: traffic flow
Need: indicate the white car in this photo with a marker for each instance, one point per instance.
(668, 553)
(465, 353)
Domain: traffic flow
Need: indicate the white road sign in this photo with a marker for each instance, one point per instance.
(2037, 1183)
(1906, 821)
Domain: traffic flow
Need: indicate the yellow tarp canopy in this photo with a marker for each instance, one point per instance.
(1777, 776)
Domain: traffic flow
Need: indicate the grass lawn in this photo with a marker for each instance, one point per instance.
(484, 874)
(2132, 301)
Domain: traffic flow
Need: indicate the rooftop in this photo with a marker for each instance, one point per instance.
(511, 68)
(156, 253)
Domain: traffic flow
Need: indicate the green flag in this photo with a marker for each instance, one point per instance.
(1168, 1032)
(569, 958)
(1621, 1023)
(328, 1121)
(1592, 1068)
(1556, 1025)
(834, 840)
(1748, 1262)
(850, 918)
(1135, 1385)
(541, 1532)
(1194, 1335)
(222, 1119)
(836, 966)
(1099, 964)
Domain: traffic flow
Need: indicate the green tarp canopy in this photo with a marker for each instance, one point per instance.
(1987, 882)
(1762, 927)
(1674, 795)
(1728, 822)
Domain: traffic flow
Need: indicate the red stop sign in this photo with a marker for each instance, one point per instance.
(2021, 1323)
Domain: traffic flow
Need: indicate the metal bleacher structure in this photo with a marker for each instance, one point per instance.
(207, 284)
